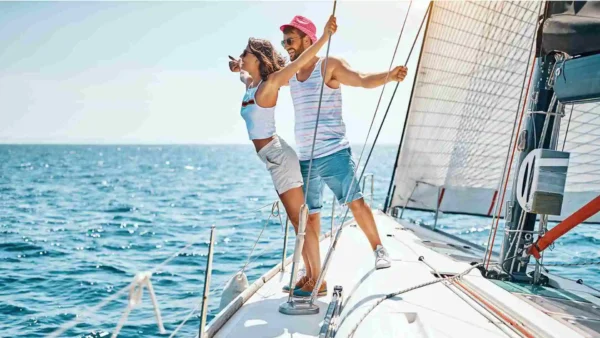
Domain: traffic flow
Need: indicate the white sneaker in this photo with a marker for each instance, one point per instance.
(382, 258)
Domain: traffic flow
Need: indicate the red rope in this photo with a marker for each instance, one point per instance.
(514, 323)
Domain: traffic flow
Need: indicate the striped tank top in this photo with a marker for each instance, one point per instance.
(331, 132)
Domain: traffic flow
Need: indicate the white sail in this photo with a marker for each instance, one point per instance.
(581, 127)
(470, 84)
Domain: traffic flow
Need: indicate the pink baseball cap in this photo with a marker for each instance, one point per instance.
(304, 25)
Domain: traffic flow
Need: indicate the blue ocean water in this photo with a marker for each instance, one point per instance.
(78, 222)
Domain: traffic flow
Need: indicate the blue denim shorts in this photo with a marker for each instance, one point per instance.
(337, 171)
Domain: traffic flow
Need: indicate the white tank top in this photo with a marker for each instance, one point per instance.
(331, 132)
(260, 121)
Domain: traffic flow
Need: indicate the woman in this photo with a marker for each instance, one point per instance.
(263, 71)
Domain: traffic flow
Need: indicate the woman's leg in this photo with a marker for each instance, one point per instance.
(292, 201)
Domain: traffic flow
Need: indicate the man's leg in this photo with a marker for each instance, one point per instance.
(339, 173)
(314, 229)
(364, 217)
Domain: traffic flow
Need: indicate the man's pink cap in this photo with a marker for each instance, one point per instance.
(304, 25)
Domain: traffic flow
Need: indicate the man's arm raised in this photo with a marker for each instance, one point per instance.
(345, 75)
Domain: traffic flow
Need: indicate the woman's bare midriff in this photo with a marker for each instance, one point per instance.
(260, 143)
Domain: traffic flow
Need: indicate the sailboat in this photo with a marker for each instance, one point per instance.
(502, 122)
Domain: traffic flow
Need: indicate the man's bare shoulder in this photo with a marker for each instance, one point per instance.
(335, 60)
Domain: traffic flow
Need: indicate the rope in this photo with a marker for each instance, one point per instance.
(264, 206)
(273, 208)
(490, 308)
(380, 97)
(384, 116)
(140, 281)
(388, 107)
(312, 151)
(412, 288)
(568, 125)
(72, 323)
(190, 314)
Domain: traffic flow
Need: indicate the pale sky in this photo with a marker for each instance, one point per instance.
(156, 72)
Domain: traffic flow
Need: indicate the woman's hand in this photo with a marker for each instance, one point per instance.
(234, 65)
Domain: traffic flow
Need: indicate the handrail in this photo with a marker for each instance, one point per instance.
(364, 181)
(207, 278)
(285, 240)
(332, 215)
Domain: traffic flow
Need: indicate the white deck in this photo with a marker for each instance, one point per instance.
(432, 311)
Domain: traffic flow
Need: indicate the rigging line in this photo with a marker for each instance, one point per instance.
(508, 322)
(264, 206)
(515, 240)
(273, 208)
(523, 216)
(394, 294)
(568, 124)
(312, 151)
(488, 258)
(75, 321)
(505, 177)
(381, 94)
(384, 116)
(190, 314)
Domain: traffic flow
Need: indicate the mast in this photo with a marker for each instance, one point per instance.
(554, 69)
(520, 225)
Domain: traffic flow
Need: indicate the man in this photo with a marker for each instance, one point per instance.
(332, 163)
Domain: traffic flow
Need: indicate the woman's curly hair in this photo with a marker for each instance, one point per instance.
(269, 59)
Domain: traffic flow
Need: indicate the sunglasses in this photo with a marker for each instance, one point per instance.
(287, 41)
